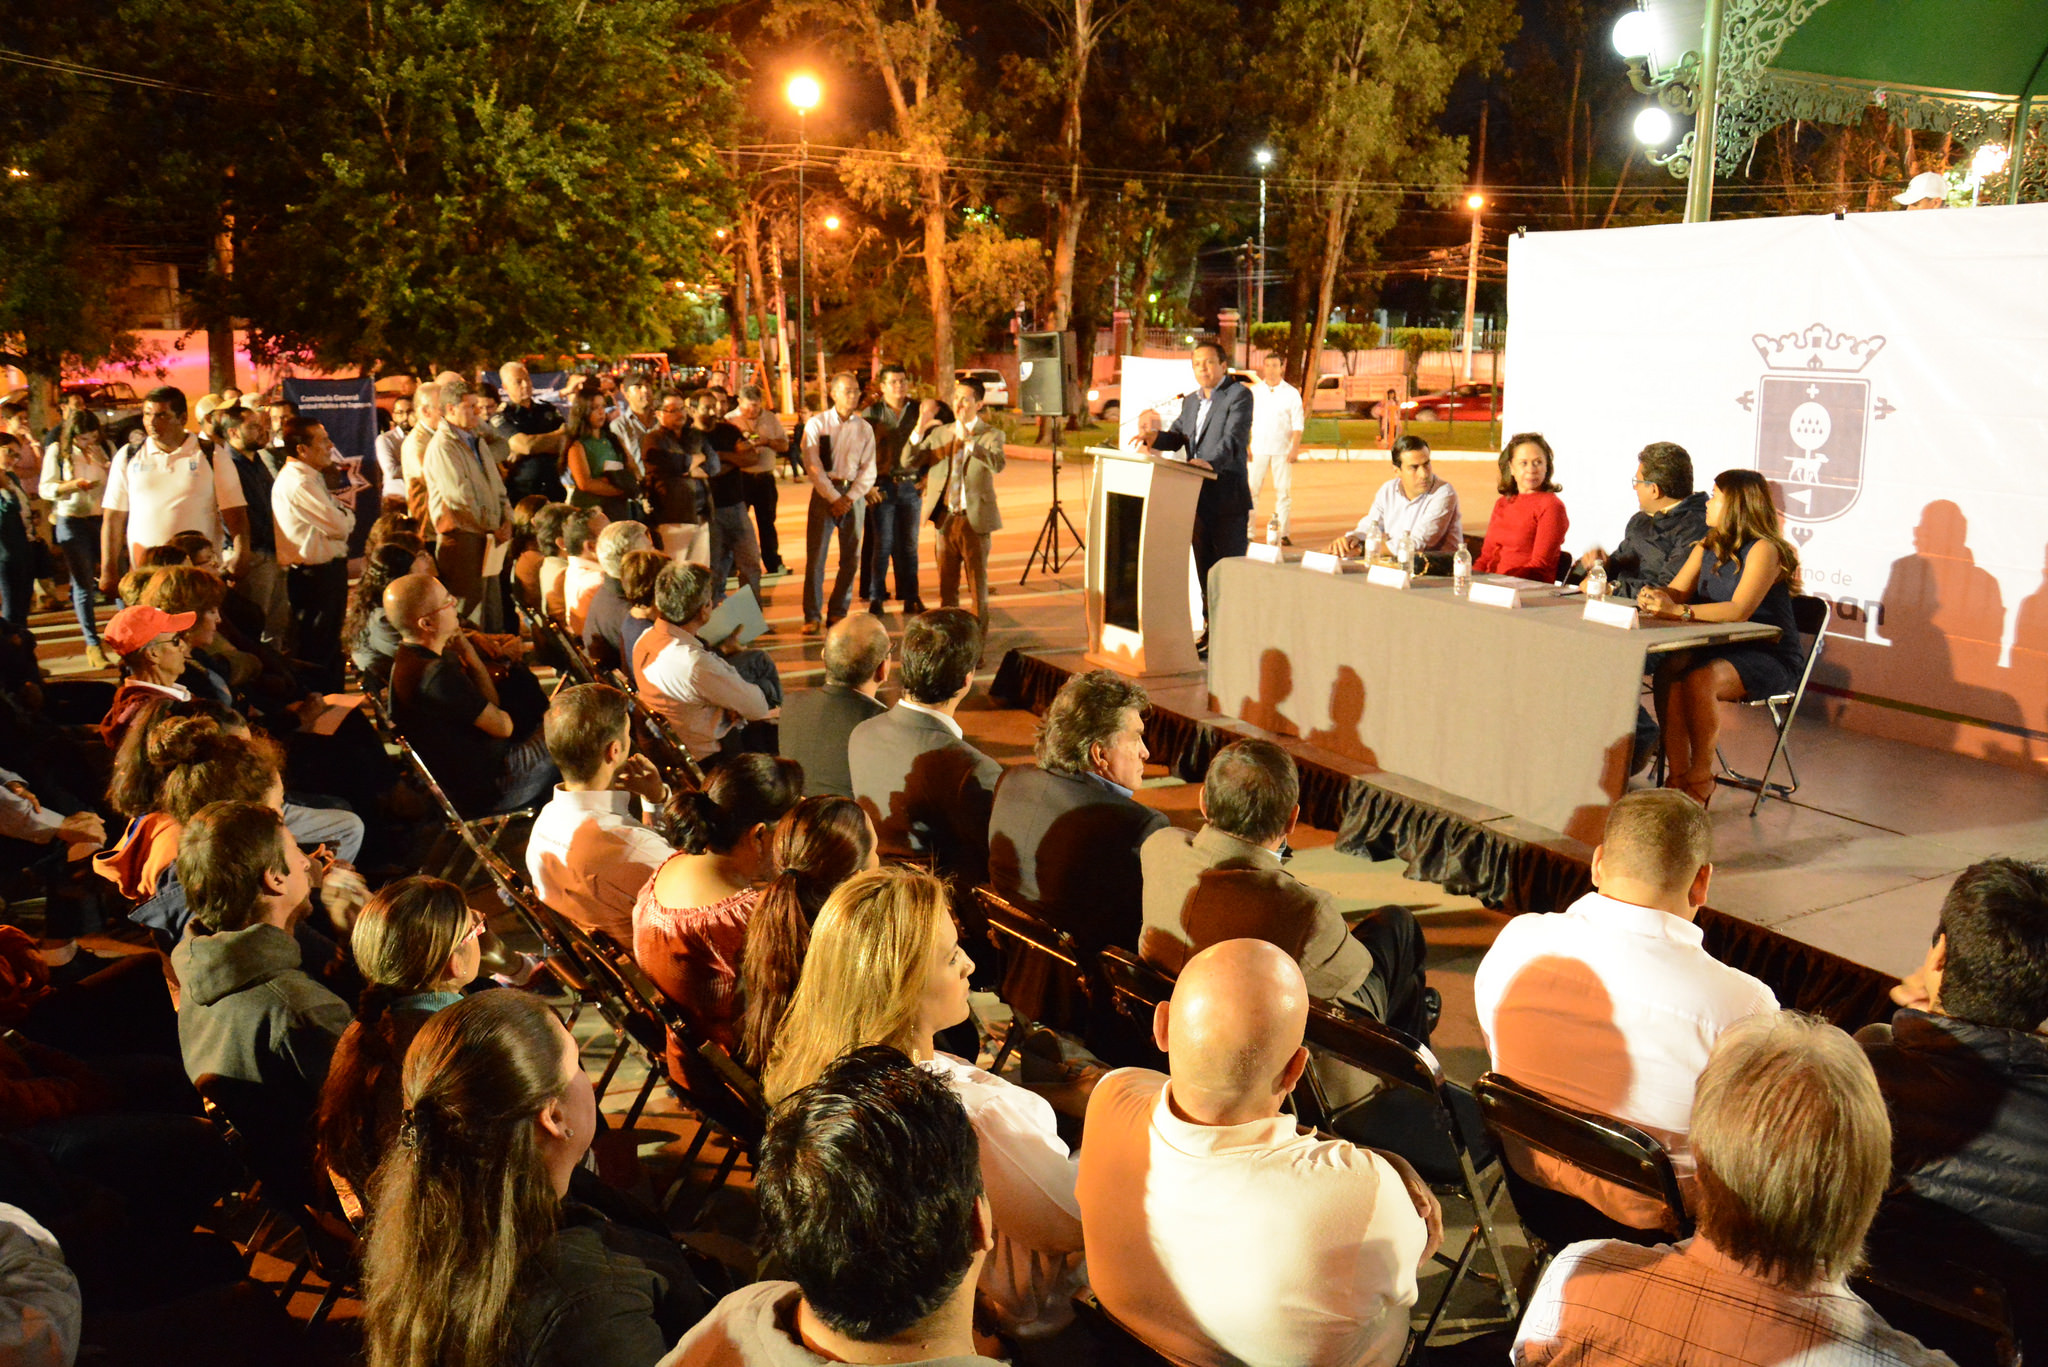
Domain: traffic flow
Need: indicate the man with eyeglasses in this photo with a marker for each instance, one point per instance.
(449, 707)
(1659, 537)
(678, 510)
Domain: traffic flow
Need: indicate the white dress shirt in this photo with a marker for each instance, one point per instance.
(390, 460)
(1260, 1243)
(944, 720)
(589, 858)
(1028, 1174)
(853, 455)
(1614, 1008)
(1432, 519)
(580, 580)
(312, 528)
(165, 492)
(22, 820)
(1277, 418)
(764, 428)
(693, 688)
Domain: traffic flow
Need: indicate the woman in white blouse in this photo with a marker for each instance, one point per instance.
(885, 967)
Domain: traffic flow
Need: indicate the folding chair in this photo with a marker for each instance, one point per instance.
(1947, 1308)
(557, 644)
(1520, 1119)
(1811, 615)
(482, 832)
(1123, 1034)
(1044, 981)
(653, 735)
(1119, 1345)
(1431, 1122)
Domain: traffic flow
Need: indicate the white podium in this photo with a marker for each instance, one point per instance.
(1141, 521)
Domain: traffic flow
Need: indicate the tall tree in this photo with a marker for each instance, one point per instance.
(1359, 85)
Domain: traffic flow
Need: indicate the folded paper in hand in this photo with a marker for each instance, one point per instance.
(738, 618)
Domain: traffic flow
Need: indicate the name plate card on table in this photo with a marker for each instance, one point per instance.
(1259, 550)
(1609, 612)
(1494, 595)
(1326, 563)
(1387, 576)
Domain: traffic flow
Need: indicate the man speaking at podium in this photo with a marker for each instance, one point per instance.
(1215, 429)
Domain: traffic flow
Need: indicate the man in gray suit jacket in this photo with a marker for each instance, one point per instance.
(926, 789)
(1064, 836)
(818, 722)
(966, 455)
(1226, 883)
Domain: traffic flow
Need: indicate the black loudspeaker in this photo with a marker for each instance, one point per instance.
(1045, 366)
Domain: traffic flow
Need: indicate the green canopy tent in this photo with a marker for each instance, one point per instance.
(1975, 69)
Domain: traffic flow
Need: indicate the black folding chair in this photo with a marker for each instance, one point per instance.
(555, 642)
(652, 735)
(480, 832)
(1118, 1343)
(1521, 1120)
(1811, 615)
(1134, 988)
(1946, 1307)
(1044, 981)
(1431, 1122)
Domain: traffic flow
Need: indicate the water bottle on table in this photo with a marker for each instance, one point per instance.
(1461, 570)
(1596, 582)
(1404, 551)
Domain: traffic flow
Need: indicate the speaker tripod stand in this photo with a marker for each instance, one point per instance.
(1045, 551)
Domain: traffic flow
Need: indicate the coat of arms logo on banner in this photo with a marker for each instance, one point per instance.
(1813, 414)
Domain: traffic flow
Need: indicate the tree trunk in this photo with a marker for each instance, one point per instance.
(1298, 326)
(1071, 211)
(791, 400)
(750, 256)
(220, 328)
(1336, 225)
(938, 280)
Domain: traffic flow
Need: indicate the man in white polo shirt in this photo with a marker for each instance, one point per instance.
(166, 486)
(1277, 423)
(1613, 1005)
(312, 544)
(1217, 1229)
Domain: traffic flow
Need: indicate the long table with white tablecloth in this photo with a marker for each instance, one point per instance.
(1530, 710)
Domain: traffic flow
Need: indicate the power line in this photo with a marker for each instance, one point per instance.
(95, 73)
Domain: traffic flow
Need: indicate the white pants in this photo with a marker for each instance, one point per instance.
(1283, 485)
(687, 541)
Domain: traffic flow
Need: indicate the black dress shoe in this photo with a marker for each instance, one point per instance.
(913, 608)
(878, 607)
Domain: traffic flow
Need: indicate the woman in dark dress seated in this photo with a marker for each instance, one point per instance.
(1743, 570)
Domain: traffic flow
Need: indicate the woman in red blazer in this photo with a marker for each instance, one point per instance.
(1526, 531)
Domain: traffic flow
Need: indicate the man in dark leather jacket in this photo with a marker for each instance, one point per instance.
(1964, 1071)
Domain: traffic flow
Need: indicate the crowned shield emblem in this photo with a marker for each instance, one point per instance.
(1813, 418)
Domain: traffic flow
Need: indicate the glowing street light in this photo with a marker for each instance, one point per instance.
(804, 93)
(1264, 158)
(1632, 33)
(1475, 202)
(832, 223)
(1653, 127)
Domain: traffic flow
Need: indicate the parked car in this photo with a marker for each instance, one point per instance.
(995, 390)
(1357, 394)
(115, 404)
(1480, 402)
(1105, 401)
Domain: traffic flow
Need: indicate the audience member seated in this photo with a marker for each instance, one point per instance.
(416, 944)
(473, 1254)
(689, 926)
(1793, 1149)
(1219, 1230)
(447, 705)
(604, 613)
(523, 555)
(372, 642)
(188, 762)
(1964, 1070)
(704, 695)
(254, 1027)
(151, 648)
(1064, 833)
(46, 841)
(638, 575)
(1670, 521)
(1416, 504)
(885, 967)
(1525, 531)
(39, 1302)
(590, 853)
(1612, 1005)
(816, 722)
(927, 790)
(870, 1186)
(548, 525)
(819, 844)
(582, 574)
(1743, 571)
(1227, 881)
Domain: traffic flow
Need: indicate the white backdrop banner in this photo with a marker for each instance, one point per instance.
(1887, 372)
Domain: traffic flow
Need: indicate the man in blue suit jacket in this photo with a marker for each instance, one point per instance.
(1215, 429)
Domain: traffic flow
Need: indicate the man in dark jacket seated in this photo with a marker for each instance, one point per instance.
(1653, 548)
(816, 722)
(1063, 837)
(1964, 1071)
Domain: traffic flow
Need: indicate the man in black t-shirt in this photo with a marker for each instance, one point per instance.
(725, 464)
(534, 431)
(448, 706)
